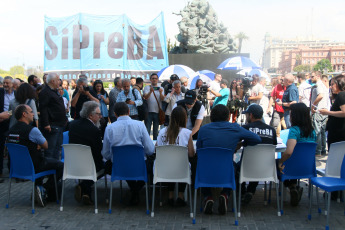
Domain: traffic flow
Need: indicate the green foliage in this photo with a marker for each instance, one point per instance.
(16, 70)
(302, 68)
(322, 65)
(106, 84)
(4, 73)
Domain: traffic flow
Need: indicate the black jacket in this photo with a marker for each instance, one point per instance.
(52, 108)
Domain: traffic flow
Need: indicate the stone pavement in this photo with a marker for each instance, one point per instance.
(76, 216)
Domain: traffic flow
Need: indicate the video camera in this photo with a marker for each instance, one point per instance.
(202, 90)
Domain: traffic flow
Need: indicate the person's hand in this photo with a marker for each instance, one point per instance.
(313, 110)
(280, 103)
(81, 89)
(172, 90)
(47, 128)
(323, 111)
(151, 89)
(102, 97)
(130, 102)
(268, 111)
(281, 167)
(5, 115)
(161, 90)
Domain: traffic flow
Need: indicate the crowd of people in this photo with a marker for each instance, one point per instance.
(36, 115)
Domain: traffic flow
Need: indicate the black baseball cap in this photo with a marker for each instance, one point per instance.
(254, 109)
(174, 77)
(190, 97)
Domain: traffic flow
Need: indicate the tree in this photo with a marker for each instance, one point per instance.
(322, 65)
(241, 36)
(302, 68)
(17, 70)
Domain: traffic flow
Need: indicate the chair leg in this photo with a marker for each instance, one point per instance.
(62, 193)
(195, 195)
(120, 191)
(338, 199)
(277, 194)
(344, 200)
(56, 190)
(96, 208)
(239, 200)
(9, 192)
(317, 199)
(153, 200)
(328, 208)
(160, 195)
(269, 193)
(265, 193)
(235, 208)
(111, 197)
(282, 198)
(33, 198)
(147, 199)
(201, 208)
(106, 188)
(190, 201)
(310, 200)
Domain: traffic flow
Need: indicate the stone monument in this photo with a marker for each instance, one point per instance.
(200, 31)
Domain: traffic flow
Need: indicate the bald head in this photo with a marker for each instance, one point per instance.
(288, 79)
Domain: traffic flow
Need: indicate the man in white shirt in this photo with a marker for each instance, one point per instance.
(256, 92)
(304, 89)
(214, 86)
(126, 131)
(154, 96)
(171, 98)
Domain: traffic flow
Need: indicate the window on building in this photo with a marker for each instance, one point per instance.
(305, 61)
(334, 60)
(339, 60)
(343, 59)
(317, 54)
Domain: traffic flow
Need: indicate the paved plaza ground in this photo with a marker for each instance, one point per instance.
(77, 216)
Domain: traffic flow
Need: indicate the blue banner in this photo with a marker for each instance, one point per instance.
(104, 46)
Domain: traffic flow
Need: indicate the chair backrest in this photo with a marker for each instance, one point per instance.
(128, 163)
(65, 140)
(258, 163)
(79, 163)
(284, 134)
(342, 173)
(215, 168)
(21, 165)
(171, 164)
(336, 154)
(301, 164)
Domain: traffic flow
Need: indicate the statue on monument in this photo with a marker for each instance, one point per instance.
(200, 31)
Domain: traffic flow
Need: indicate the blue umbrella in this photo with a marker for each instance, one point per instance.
(179, 70)
(205, 75)
(237, 63)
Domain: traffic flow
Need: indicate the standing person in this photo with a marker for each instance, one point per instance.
(198, 84)
(300, 131)
(336, 116)
(7, 94)
(103, 98)
(221, 133)
(234, 96)
(264, 100)
(304, 89)
(154, 96)
(290, 97)
(23, 133)
(128, 97)
(24, 95)
(256, 91)
(126, 131)
(177, 134)
(33, 81)
(222, 96)
(184, 83)
(215, 86)
(171, 98)
(113, 97)
(16, 83)
(319, 100)
(277, 120)
(133, 81)
(81, 94)
(53, 116)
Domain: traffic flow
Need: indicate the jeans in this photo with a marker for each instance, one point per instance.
(287, 119)
(54, 139)
(319, 124)
(152, 118)
(278, 122)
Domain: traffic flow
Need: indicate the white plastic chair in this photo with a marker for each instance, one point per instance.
(172, 165)
(258, 164)
(79, 164)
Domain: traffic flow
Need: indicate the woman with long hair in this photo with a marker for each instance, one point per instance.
(301, 131)
(103, 98)
(177, 134)
(24, 95)
(234, 95)
(336, 116)
(198, 84)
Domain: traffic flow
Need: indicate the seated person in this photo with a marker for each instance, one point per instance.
(177, 134)
(301, 131)
(85, 131)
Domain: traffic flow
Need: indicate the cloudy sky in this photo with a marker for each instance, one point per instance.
(22, 21)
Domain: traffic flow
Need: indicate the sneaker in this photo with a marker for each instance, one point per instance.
(208, 205)
(77, 193)
(247, 198)
(223, 204)
(87, 200)
(294, 196)
(40, 195)
(180, 202)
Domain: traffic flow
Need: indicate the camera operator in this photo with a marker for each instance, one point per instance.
(81, 94)
(168, 88)
(256, 91)
(223, 95)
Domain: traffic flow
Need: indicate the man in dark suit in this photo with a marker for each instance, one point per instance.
(85, 131)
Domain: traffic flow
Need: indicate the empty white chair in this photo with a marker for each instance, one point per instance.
(172, 165)
(79, 164)
(258, 164)
(336, 154)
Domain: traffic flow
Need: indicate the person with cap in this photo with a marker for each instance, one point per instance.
(255, 124)
(223, 95)
(195, 112)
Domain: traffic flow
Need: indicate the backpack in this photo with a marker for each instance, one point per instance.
(143, 110)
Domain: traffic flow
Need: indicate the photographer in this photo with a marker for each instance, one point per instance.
(223, 95)
(81, 94)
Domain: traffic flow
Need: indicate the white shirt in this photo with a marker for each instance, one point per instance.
(181, 140)
(255, 91)
(151, 101)
(172, 99)
(215, 86)
(304, 93)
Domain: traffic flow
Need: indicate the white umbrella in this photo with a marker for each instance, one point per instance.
(179, 70)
